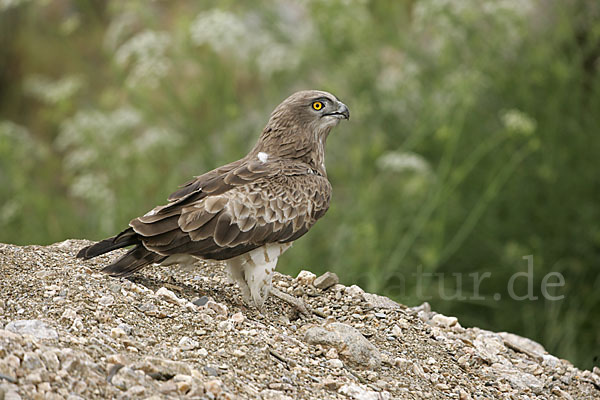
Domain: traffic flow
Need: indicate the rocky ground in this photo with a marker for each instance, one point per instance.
(68, 331)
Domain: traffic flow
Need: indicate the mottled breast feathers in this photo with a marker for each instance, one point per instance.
(237, 208)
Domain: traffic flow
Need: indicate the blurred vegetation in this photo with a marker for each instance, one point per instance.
(473, 141)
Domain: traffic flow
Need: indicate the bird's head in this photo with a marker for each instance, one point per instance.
(301, 124)
(310, 109)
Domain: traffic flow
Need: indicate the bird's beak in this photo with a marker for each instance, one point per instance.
(341, 112)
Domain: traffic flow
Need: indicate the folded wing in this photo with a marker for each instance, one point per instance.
(220, 216)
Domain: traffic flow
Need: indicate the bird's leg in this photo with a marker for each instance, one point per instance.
(294, 301)
(236, 274)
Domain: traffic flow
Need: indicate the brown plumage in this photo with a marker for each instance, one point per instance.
(247, 212)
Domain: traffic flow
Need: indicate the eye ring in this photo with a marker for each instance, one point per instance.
(317, 105)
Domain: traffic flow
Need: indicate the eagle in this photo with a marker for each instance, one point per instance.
(246, 213)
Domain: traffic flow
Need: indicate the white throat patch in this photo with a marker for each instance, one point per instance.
(263, 157)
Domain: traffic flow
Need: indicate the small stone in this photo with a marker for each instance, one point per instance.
(358, 392)
(402, 363)
(11, 395)
(331, 384)
(351, 345)
(44, 387)
(219, 308)
(149, 309)
(271, 394)
(115, 288)
(239, 353)
(31, 361)
(187, 343)
(326, 280)
(380, 315)
(68, 315)
(106, 301)
(380, 302)
(238, 318)
(489, 345)
(135, 391)
(184, 387)
(557, 391)
(50, 360)
(213, 387)
(354, 291)
(444, 321)
(551, 362)
(117, 359)
(117, 333)
(225, 326)
(163, 367)
(521, 342)
(331, 353)
(167, 387)
(211, 371)
(200, 301)
(126, 328)
(335, 363)
(34, 327)
(168, 295)
(125, 378)
(34, 378)
(305, 277)
(518, 379)
(396, 331)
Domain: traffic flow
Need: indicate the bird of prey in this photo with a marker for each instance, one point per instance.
(247, 212)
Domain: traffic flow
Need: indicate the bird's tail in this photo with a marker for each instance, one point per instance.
(126, 238)
(134, 260)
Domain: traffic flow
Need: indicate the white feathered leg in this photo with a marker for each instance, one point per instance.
(253, 272)
(235, 268)
(259, 279)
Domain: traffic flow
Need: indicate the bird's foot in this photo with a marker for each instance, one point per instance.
(293, 301)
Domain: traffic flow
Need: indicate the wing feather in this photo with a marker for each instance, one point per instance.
(247, 206)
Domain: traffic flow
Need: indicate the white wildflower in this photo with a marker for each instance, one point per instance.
(221, 30)
(146, 52)
(11, 131)
(275, 57)
(52, 91)
(396, 161)
(94, 189)
(87, 127)
(157, 138)
(120, 27)
(246, 39)
(518, 122)
(8, 4)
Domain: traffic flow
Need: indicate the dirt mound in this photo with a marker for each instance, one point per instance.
(68, 331)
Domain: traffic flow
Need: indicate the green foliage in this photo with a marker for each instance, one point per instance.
(473, 140)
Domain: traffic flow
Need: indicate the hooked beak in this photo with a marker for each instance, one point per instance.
(342, 111)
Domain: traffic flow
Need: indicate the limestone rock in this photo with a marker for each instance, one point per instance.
(34, 327)
(350, 344)
(327, 280)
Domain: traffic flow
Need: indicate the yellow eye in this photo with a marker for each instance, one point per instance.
(317, 105)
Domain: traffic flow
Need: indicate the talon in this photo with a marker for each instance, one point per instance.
(294, 301)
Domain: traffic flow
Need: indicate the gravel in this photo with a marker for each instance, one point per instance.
(70, 332)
